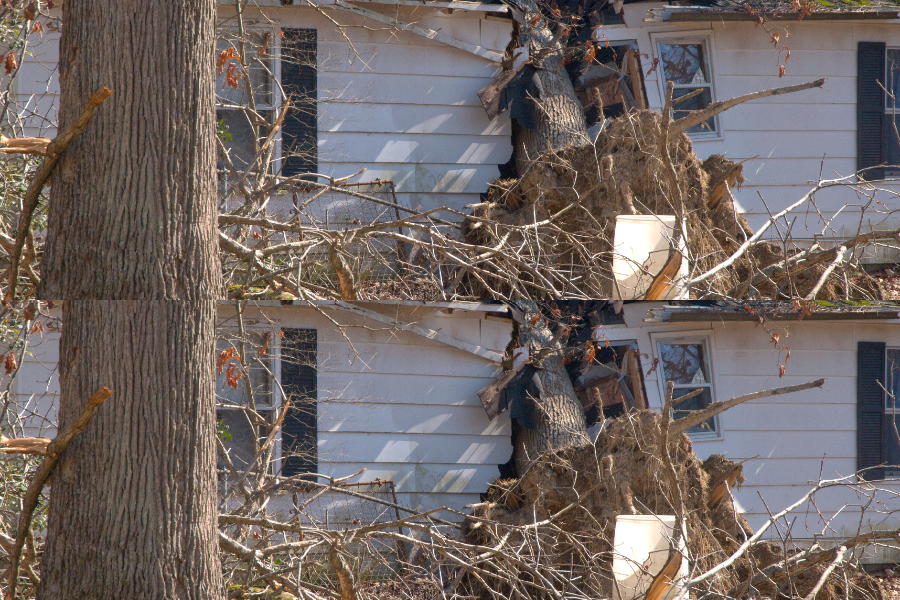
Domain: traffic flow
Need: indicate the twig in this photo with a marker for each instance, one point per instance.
(30, 201)
(54, 450)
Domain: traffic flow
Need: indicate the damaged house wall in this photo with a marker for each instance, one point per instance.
(787, 140)
(406, 109)
(788, 442)
(405, 409)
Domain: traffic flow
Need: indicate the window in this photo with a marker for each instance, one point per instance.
(892, 414)
(288, 58)
(239, 428)
(892, 113)
(686, 64)
(243, 137)
(290, 357)
(685, 362)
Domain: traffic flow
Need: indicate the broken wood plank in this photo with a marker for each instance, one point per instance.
(491, 95)
(634, 74)
(422, 331)
(664, 280)
(492, 394)
(421, 31)
(721, 190)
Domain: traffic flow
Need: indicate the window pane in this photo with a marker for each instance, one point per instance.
(683, 363)
(698, 102)
(259, 72)
(240, 146)
(259, 378)
(682, 409)
(892, 398)
(684, 63)
(238, 437)
(239, 141)
(893, 79)
(892, 145)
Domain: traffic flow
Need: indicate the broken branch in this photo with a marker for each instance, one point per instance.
(699, 116)
(29, 503)
(30, 201)
(697, 417)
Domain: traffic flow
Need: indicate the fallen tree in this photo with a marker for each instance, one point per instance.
(561, 215)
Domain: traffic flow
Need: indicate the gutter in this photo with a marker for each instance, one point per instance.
(695, 14)
(693, 314)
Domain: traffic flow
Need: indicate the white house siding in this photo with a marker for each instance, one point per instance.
(788, 139)
(788, 442)
(404, 407)
(405, 108)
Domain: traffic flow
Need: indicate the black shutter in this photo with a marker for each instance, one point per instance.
(870, 370)
(299, 132)
(870, 109)
(299, 432)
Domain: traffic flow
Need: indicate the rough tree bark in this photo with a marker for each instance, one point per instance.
(560, 117)
(561, 121)
(559, 415)
(132, 252)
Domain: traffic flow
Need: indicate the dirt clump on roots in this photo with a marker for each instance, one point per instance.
(582, 490)
(586, 187)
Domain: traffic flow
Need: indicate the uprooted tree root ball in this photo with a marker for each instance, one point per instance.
(583, 189)
(576, 494)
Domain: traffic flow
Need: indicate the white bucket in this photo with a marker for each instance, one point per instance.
(641, 549)
(641, 247)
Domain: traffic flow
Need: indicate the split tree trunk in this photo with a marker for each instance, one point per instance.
(560, 416)
(132, 252)
(561, 121)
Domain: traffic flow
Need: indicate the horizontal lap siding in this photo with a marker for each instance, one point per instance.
(407, 408)
(784, 138)
(407, 109)
(789, 442)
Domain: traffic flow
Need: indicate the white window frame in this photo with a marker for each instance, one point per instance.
(688, 337)
(277, 400)
(277, 97)
(891, 109)
(688, 37)
(889, 413)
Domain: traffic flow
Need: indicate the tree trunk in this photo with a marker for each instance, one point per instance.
(132, 252)
(132, 207)
(561, 121)
(133, 502)
(560, 416)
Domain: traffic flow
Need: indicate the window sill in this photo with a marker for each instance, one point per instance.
(706, 137)
(706, 437)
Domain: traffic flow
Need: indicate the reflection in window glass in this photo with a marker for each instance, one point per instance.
(686, 65)
(683, 363)
(241, 139)
(686, 365)
(683, 63)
